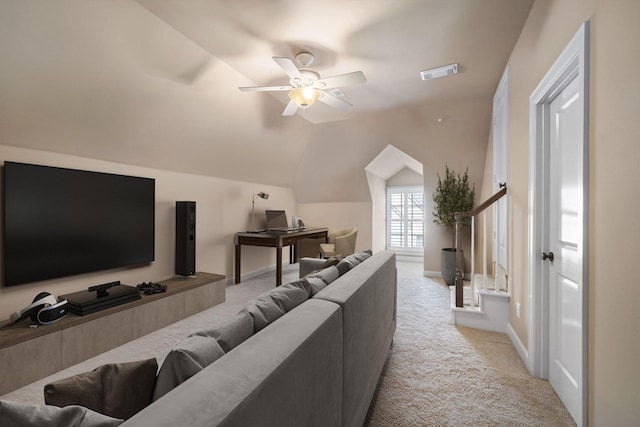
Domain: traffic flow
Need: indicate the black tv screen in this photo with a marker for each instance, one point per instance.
(61, 222)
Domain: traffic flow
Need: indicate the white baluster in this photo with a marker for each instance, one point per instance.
(484, 250)
(473, 262)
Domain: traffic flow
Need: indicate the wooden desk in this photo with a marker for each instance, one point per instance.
(277, 241)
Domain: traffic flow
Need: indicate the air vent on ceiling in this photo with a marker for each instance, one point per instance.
(336, 91)
(447, 70)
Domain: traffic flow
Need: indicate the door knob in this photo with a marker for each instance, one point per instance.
(548, 256)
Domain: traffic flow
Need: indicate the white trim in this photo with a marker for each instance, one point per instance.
(251, 274)
(501, 93)
(572, 63)
(438, 274)
(518, 344)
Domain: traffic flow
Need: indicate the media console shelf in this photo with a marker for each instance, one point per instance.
(29, 354)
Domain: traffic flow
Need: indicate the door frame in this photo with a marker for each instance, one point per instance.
(572, 63)
(501, 95)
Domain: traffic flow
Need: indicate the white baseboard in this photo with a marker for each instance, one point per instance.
(517, 344)
(431, 274)
(251, 274)
(437, 274)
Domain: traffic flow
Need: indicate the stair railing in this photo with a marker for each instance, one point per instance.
(459, 281)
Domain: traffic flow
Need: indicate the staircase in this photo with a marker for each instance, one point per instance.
(480, 304)
(489, 309)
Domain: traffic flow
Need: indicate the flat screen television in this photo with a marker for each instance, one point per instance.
(61, 222)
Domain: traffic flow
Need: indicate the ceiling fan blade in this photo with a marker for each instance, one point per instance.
(290, 109)
(334, 101)
(288, 66)
(353, 78)
(265, 88)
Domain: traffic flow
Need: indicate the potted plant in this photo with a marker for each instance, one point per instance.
(453, 194)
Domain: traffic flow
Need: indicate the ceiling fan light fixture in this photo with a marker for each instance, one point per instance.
(304, 97)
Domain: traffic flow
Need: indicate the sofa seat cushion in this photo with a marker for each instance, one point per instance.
(230, 332)
(14, 414)
(190, 356)
(118, 390)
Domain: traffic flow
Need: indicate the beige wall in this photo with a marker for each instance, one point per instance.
(332, 167)
(222, 208)
(614, 344)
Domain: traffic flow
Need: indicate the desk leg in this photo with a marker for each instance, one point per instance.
(279, 266)
(237, 273)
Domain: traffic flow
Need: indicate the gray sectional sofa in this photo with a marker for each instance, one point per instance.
(317, 365)
(308, 353)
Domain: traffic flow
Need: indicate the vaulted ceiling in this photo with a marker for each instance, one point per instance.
(391, 41)
(155, 82)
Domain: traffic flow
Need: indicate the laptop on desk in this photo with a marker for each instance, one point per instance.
(277, 222)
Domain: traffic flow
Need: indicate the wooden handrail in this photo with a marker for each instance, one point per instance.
(459, 281)
(491, 200)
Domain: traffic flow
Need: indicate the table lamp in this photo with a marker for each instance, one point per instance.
(262, 195)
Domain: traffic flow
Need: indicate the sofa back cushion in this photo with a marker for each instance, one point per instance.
(230, 332)
(316, 284)
(274, 303)
(351, 261)
(188, 358)
(327, 275)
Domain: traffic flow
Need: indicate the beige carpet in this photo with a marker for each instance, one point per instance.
(436, 374)
(439, 374)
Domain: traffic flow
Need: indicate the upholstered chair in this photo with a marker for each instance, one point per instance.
(308, 248)
(340, 243)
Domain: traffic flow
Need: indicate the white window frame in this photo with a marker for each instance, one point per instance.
(403, 249)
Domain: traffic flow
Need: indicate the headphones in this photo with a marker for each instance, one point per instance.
(44, 309)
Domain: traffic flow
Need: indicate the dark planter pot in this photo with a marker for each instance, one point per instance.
(448, 265)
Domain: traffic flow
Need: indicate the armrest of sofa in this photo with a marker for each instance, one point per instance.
(307, 265)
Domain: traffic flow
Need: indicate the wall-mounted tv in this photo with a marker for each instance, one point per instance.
(61, 222)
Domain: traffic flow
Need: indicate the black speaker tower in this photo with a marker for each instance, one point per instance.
(185, 238)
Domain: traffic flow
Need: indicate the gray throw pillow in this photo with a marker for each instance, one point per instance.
(351, 261)
(264, 310)
(327, 275)
(230, 332)
(303, 284)
(316, 284)
(118, 390)
(191, 356)
(13, 414)
(289, 296)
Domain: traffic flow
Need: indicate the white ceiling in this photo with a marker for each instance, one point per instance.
(154, 83)
(391, 41)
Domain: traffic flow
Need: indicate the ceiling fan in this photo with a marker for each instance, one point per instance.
(306, 86)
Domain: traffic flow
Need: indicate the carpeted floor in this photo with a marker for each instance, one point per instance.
(437, 374)
(440, 374)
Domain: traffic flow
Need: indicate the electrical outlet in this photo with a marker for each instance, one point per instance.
(518, 310)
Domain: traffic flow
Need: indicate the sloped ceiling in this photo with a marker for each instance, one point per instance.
(390, 41)
(154, 82)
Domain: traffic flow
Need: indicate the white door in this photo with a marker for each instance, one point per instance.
(558, 224)
(566, 193)
(500, 168)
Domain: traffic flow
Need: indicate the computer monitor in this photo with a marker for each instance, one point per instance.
(276, 219)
